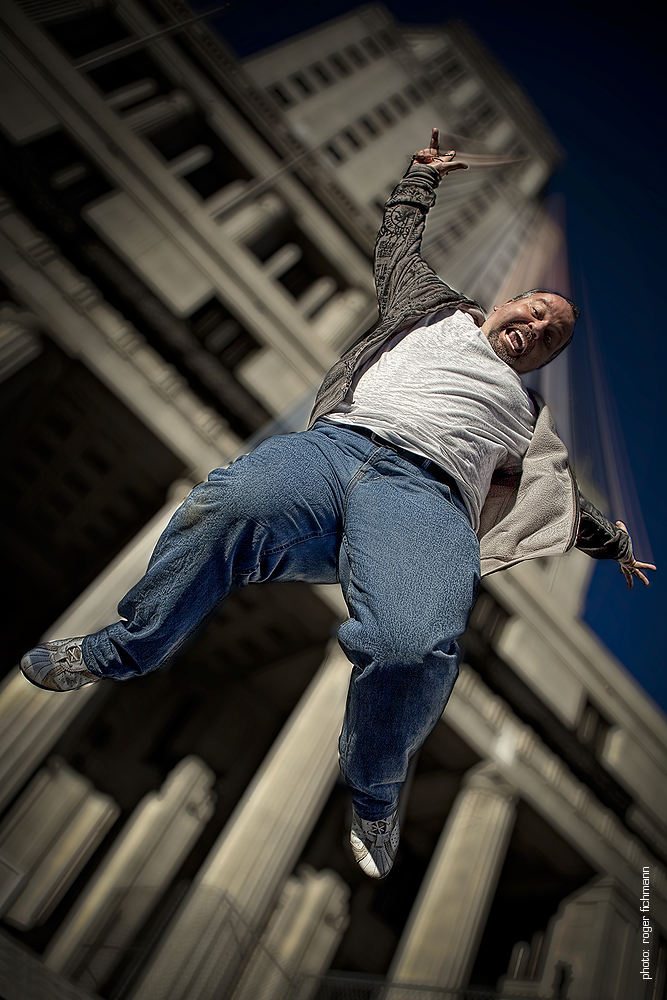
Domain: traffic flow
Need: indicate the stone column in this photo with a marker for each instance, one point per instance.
(32, 720)
(140, 90)
(440, 942)
(216, 927)
(47, 838)
(300, 939)
(247, 222)
(158, 112)
(133, 877)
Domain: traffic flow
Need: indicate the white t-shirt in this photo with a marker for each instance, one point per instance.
(439, 390)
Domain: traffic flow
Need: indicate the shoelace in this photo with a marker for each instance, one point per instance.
(71, 654)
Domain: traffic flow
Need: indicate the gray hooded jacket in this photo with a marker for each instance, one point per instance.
(539, 512)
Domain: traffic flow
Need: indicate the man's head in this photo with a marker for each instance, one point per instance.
(528, 331)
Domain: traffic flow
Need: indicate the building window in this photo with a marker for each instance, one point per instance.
(388, 39)
(321, 74)
(302, 84)
(339, 64)
(222, 335)
(372, 47)
(453, 233)
(178, 137)
(452, 72)
(400, 104)
(356, 56)
(352, 138)
(63, 166)
(335, 153)
(385, 115)
(488, 116)
(368, 126)
(280, 94)
(127, 71)
(426, 85)
(480, 114)
(308, 266)
(435, 74)
(414, 95)
(592, 728)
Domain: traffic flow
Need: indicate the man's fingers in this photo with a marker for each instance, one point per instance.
(633, 568)
(435, 141)
(644, 579)
(630, 570)
(432, 154)
(443, 162)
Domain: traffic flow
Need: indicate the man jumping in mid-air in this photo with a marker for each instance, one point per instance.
(423, 443)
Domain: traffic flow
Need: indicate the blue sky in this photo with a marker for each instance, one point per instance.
(596, 79)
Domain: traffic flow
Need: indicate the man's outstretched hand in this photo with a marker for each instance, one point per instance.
(444, 163)
(631, 568)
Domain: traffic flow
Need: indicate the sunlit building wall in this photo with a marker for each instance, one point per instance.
(185, 247)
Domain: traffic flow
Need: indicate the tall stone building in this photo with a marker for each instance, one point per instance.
(185, 247)
(362, 92)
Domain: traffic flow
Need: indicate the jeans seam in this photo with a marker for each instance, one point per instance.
(368, 463)
(298, 541)
(376, 651)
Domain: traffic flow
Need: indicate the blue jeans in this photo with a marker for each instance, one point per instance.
(322, 506)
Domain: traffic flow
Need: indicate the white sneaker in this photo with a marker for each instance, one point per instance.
(374, 843)
(57, 666)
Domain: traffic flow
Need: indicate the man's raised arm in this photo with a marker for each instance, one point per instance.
(405, 283)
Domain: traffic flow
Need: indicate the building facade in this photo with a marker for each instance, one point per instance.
(185, 248)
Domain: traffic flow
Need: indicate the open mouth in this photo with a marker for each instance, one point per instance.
(517, 342)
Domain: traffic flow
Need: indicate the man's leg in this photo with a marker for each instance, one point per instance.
(409, 567)
(272, 515)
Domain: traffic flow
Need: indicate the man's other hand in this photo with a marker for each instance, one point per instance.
(444, 163)
(630, 567)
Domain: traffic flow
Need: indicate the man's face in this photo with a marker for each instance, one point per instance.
(525, 334)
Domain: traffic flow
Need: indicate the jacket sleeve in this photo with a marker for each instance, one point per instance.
(404, 281)
(600, 538)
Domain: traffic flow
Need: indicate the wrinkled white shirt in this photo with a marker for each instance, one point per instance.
(439, 390)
